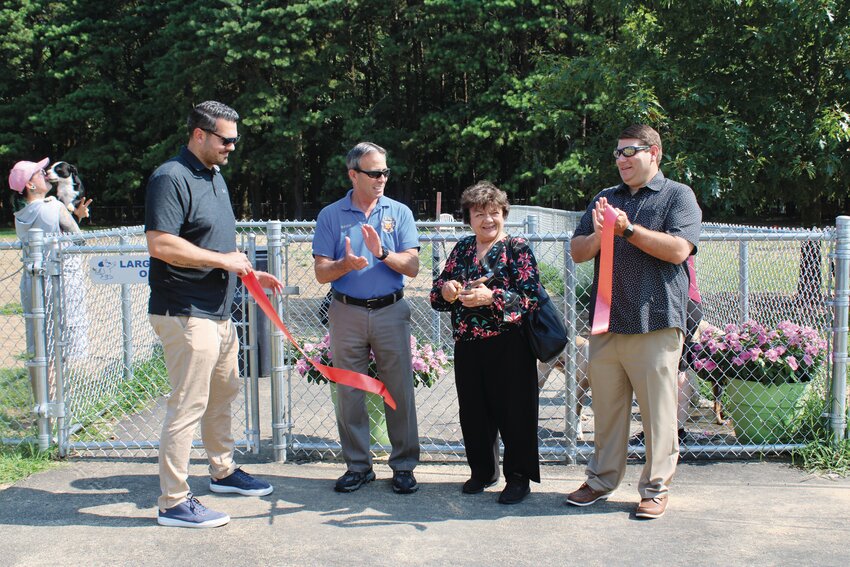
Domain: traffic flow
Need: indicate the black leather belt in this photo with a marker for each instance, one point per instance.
(374, 303)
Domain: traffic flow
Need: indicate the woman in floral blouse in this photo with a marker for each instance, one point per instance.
(490, 281)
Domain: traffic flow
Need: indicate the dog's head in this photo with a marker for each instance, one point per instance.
(61, 170)
(63, 176)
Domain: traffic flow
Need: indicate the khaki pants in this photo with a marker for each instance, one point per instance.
(201, 358)
(647, 365)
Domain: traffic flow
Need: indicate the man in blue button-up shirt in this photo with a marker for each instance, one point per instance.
(364, 245)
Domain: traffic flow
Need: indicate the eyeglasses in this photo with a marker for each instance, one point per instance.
(629, 151)
(225, 141)
(376, 174)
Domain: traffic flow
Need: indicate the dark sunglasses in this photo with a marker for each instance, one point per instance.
(629, 151)
(374, 174)
(225, 141)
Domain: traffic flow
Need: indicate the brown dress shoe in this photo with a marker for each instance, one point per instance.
(585, 496)
(651, 508)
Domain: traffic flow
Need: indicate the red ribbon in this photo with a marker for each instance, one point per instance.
(602, 310)
(338, 375)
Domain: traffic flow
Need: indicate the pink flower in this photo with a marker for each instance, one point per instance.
(792, 362)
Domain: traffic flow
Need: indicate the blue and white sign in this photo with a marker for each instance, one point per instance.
(119, 269)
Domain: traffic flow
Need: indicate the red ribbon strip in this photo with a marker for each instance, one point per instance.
(602, 310)
(338, 375)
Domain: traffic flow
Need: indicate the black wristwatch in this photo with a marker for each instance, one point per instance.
(384, 253)
(628, 231)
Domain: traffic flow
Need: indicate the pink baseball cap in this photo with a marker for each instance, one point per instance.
(23, 172)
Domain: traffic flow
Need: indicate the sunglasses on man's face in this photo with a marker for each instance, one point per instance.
(629, 151)
(376, 174)
(225, 141)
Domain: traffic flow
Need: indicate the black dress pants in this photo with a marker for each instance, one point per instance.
(496, 380)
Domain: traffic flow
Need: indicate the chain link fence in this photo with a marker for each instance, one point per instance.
(100, 386)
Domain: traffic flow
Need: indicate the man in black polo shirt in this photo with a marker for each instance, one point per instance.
(657, 228)
(191, 235)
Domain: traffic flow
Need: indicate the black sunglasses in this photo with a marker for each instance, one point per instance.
(376, 174)
(629, 151)
(225, 141)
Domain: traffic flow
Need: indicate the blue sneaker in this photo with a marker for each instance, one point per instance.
(242, 483)
(191, 514)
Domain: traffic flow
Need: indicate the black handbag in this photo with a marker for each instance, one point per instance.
(544, 328)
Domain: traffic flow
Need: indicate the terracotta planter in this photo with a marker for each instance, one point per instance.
(765, 414)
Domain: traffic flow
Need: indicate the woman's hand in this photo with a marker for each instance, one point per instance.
(450, 290)
(477, 295)
(82, 210)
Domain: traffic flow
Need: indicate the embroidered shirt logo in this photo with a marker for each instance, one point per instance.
(388, 224)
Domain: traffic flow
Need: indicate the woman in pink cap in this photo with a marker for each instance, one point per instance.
(49, 214)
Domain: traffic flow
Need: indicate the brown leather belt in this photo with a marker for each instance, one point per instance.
(374, 303)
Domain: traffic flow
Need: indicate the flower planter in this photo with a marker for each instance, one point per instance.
(377, 418)
(764, 414)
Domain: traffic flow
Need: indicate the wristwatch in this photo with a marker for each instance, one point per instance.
(384, 253)
(628, 231)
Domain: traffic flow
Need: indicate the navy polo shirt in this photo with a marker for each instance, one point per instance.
(393, 222)
(186, 199)
(648, 294)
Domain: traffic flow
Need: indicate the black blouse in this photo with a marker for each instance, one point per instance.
(515, 280)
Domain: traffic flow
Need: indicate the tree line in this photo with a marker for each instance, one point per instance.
(751, 97)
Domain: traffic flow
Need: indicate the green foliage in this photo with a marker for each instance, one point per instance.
(149, 381)
(16, 401)
(551, 278)
(12, 309)
(750, 97)
(20, 461)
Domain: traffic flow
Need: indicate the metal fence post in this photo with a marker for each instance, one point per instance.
(838, 419)
(435, 272)
(572, 421)
(54, 269)
(38, 363)
(744, 281)
(253, 404)
(127, 323)
(278, 385)
(531, 228)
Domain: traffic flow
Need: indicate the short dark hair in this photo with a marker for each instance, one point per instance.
(352, 160)
(204, 115)
(483, 194)
(642, 132)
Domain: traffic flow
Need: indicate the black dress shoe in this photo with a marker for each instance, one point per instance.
(475, 486)
(514, 492)
(404, 482)
(352, 480)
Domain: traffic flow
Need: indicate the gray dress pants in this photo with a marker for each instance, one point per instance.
(353, 331)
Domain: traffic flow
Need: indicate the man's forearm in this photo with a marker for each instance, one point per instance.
(180, 252)
(666, 247)
(405, 262)
(584, 248)
(328, 270)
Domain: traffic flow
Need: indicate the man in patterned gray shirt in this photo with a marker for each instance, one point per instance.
(657, 228)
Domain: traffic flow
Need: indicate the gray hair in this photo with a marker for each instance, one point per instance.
(204, 115)
(352, 160)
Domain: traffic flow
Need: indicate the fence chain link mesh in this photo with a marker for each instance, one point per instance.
(115, 384)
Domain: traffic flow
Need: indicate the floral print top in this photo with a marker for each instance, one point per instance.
(515, 284)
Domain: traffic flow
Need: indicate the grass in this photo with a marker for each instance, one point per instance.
(17, 462)
(16, 419)
(12, 309)
(150, 381)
